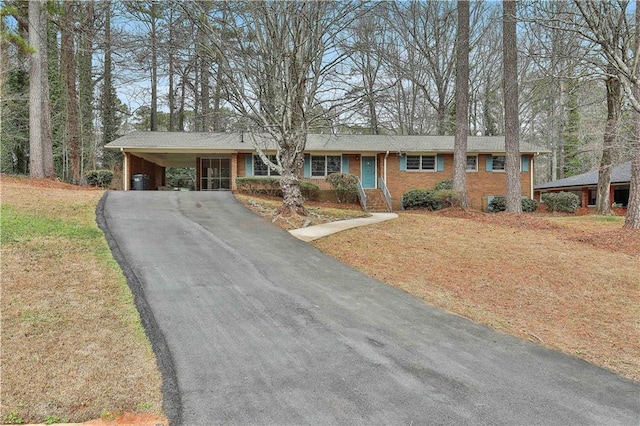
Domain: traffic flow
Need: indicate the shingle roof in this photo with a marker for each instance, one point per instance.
(176, 141)
(619, 174)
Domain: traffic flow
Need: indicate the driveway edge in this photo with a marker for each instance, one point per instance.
(171, 402)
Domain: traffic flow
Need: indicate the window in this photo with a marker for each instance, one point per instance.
(498, 162)
(324, 165)
(262, 169)
(472, 163)
(421, 162)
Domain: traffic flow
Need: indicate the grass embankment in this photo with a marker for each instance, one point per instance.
(569, 283)
(73, 348)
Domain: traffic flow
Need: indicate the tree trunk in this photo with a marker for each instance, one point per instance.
(154, 69)
(86, 84)
(603, 201)
(73, 109)
(47, 136)
(293, 201)
(632, 218)
(36, 162)
(40, 148)
(217, 94)
(511, 110)
(462, 104)
(108, 113)
(171, 58)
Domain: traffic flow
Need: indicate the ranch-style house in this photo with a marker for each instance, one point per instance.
(384, 164)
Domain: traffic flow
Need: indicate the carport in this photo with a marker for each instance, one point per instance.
(214, 155)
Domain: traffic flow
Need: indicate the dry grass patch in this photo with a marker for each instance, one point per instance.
(73, 348)
(546, 280)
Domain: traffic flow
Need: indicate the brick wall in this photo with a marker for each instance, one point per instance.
(139, 165)
(480, 184)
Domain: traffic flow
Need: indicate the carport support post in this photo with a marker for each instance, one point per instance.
(125, 171)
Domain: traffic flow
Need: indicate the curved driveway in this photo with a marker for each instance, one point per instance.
(252, 326)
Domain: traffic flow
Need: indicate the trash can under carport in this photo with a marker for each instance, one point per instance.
(139, 182)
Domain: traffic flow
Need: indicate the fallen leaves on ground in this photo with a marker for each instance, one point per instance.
(569, 283)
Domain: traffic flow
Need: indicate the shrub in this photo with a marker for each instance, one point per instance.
(499, 204)
(309, 190)
(102, 178)
(444, 185)
(259, 185)
(447, 197)
(561, 201)
(345, 186)
(271, 186)
(529, 205)
(421, 199)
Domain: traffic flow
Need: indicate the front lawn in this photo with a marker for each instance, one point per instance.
(73, 348)
(566, 282)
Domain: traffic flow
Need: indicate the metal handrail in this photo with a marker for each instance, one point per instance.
(385, 191)
(362, 196)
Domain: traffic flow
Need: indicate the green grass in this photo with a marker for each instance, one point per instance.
(18, 226)
(66, 295)
(614, 219)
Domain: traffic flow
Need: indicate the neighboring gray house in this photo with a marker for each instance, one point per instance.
(585, 186)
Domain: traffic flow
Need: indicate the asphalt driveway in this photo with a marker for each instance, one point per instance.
(252, 326)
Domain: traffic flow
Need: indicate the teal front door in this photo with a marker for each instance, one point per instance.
(368, 172)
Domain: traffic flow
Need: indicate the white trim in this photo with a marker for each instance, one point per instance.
(125, 171)
(530, 176)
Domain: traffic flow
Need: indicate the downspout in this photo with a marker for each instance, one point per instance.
(385, 167)
(531, 168)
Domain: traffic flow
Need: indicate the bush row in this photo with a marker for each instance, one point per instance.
(430, 199)
(499, 204)
(102, 178)
(271, 186)
(561, 201)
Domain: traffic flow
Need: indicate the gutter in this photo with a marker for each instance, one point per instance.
(531, 178)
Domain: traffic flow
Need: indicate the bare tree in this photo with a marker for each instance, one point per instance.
(614, 105)
(148, 13)
(632, 219)
(275, 63)
(364, 46)
(608, 27)
(462, 103)
(428, 34)
(511, 107)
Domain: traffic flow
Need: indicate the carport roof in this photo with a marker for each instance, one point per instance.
(238, 142)
(619, 174)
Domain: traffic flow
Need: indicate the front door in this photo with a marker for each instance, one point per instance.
(215, 174)
(368, 172)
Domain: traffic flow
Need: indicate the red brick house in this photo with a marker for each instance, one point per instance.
(585, 186)
(400, 163)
